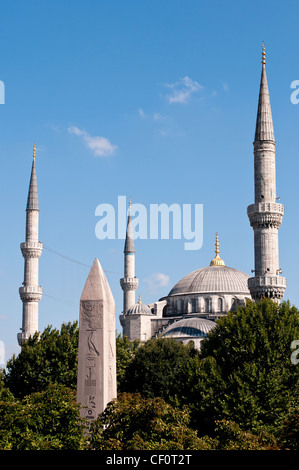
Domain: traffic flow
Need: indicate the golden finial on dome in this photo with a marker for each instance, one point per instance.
(263, 53)
(139, 300)
(217, 261)
(34, 151)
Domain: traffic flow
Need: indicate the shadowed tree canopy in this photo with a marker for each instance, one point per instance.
(159, 369)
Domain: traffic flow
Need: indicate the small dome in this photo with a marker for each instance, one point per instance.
(139, 309)
(189, 327)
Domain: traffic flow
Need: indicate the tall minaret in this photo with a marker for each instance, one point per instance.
(129, 282)
(31, 292)
(266, 213)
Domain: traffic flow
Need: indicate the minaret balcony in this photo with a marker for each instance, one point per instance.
(270, 287)
(261, 281)
(31, 293)
(31, 249)
(265, 214)
(129, 283)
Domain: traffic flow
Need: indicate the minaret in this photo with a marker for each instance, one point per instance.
(266, 213)
(31, 292)
(129, 282)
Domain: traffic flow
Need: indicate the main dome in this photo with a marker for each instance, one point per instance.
(212, 279)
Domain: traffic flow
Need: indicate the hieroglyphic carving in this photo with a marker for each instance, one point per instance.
(92, 318)
(96, 384)
(92, 313)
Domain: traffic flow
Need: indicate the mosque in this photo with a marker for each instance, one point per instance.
(189, 311)
(191, 307)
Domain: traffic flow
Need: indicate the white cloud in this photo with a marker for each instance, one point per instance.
(182, 90)
(100, 146)
(155, 116)
(156, 280)
(141, 113)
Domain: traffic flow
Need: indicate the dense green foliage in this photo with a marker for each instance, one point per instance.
(160, 369)
(45, 359)
(239, 392)
(41, 421)
(125, 351)
(244, 372)
(133, 422)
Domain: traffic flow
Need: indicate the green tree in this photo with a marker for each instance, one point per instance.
(159, 369)
(41, 421)
(46, 358)
(230, 436)
(125, 351)
(135, 423)
(52, 357)
(244, 373)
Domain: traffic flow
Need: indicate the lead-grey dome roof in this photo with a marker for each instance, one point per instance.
(139, 309)
(212, 279)
(193, 327)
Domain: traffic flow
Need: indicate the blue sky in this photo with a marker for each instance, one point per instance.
(153, 99)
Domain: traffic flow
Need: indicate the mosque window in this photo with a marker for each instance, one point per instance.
(194, 309)
(220, 304)
(207, 305)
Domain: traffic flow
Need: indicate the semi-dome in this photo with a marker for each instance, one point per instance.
(189, 327)
(139, 309)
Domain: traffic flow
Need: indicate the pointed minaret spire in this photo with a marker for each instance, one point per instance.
(129, 282)
(266, 213)
(32, 248)
(129, 243)
(32, 200)
(264, 124)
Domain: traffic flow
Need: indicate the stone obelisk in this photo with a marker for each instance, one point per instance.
(96, 382)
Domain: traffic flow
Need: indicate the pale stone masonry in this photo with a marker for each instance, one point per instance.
(31, 291)
(129, 282)
(96, 382)
(266, 213)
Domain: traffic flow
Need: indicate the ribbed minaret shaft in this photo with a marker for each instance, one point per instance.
(129, 282)
(32, 248)
(266, 213)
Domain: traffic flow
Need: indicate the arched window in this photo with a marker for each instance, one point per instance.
(194, 305)
(234, 304)
(207, 305)
(220, 304)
